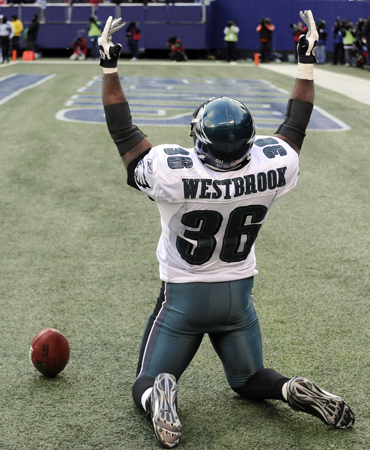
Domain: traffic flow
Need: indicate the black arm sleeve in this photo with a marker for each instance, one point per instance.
(297, 116)
(124, 134)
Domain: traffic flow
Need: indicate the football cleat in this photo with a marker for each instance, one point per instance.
(163, 410)
(304, 396)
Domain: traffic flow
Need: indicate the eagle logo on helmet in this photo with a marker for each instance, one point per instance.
(198, 125)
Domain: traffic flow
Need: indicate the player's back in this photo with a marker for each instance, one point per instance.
(210, 219)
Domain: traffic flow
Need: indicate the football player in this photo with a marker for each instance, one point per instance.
(213, 199)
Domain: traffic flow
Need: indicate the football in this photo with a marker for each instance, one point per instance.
(49, 352)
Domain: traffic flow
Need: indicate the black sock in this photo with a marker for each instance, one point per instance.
(264, 384)
(139, 387)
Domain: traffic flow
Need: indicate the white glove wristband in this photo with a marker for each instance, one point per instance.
(305, 71)
(107, 70)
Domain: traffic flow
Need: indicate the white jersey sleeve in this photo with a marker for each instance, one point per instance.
(156, 173)
(210, 219)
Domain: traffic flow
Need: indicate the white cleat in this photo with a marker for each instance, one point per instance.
(164, 415)
(304, 396)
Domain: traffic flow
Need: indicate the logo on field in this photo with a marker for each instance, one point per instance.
(156, 101)
(16, 83)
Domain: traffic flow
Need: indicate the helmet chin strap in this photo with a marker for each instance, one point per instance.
(239, 166)
(216, 168)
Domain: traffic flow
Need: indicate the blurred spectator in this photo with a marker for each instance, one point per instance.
(80, 47)
(360, 54)
(133, 38)
(93, 33)
(265, 29)
(18, 28)
(366, 36)
(359, 29)
(32, 33)
(95, 2)
(348, 42)
(231, 32)
(177, 51)
(299, 29)
(338, 53)
(321, 43)
(6, 35)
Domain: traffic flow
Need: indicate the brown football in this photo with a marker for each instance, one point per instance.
(49, 352)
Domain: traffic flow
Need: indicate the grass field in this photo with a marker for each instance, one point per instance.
(78, 254)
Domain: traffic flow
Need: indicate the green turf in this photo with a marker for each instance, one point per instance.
(78, 254)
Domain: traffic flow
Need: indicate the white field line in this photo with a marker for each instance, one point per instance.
(352, 87)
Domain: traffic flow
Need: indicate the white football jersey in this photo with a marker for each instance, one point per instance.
(211, 219)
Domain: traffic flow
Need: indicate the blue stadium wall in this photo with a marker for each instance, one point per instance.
(60, 23)
(187, 21)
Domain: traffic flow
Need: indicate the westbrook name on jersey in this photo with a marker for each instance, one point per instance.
(211, 219)
(249, 184)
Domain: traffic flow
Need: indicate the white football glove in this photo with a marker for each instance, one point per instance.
(109, 53)
(307, 44)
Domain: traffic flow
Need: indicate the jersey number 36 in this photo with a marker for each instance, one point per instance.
(202, 226)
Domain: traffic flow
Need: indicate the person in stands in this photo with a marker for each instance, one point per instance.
(231, 32)
(18, 28)
(265, 29)
(133, 38)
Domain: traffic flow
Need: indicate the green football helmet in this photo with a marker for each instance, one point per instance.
(223, 131)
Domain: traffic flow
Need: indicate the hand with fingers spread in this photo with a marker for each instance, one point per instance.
(308, 42)
(109, 52)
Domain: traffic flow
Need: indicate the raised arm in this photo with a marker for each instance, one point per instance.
(300, 105)
(130, 141)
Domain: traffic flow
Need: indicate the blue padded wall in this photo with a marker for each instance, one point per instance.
(8, 11)
(130, 13)
(81, 13)
(56, 14)
(27, 12)
(104, 11)
(158, 22)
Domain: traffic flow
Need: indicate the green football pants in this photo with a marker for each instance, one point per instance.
(185, 312)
